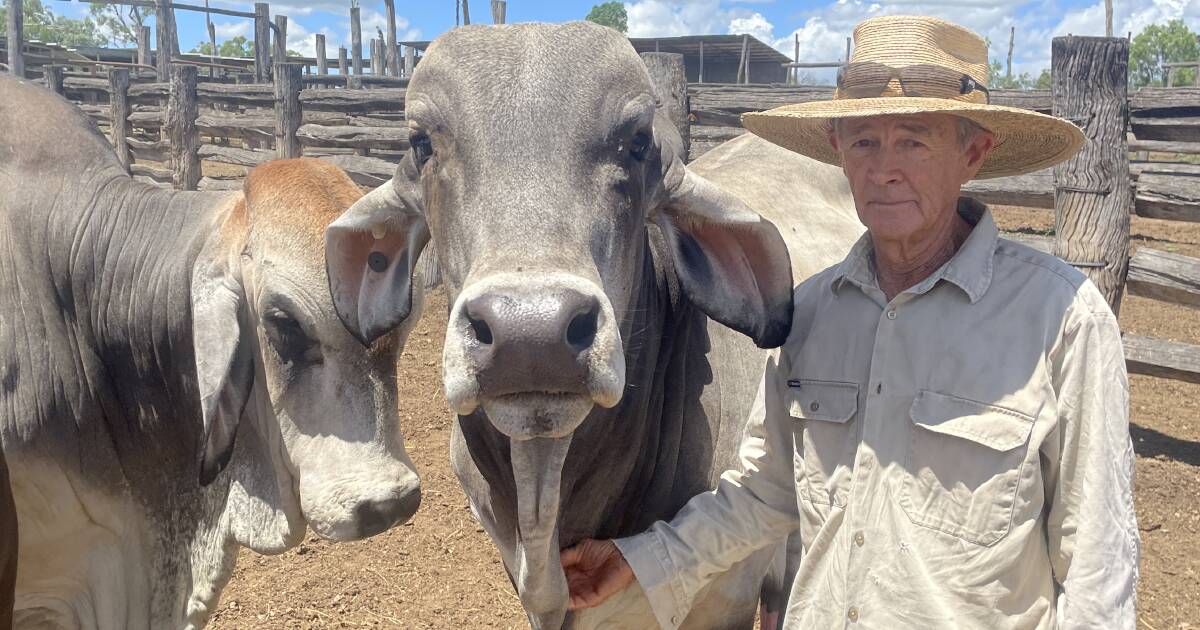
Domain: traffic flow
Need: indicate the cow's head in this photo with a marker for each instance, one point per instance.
(278, 369)
(543, 172)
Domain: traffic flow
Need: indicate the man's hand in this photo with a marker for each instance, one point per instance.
(595, 570)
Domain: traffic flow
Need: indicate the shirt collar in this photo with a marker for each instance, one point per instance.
(970, 269)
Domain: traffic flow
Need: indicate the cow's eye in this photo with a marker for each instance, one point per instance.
(289, 340)
(422, 149)
(640, 146)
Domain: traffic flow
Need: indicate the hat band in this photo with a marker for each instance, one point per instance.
(869, 79)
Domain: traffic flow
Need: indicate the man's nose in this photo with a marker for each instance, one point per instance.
(885, 169)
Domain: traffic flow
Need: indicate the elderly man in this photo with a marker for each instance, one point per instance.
(947, 426)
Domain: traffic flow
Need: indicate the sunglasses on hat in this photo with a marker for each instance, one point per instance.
(869, 80)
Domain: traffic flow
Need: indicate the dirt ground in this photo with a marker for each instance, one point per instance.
(440, 571)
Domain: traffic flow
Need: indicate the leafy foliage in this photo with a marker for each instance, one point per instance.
(1023, 81)
(611, 14)
(121, 23)
(233, 47)
(41, 24)
(1158, 44)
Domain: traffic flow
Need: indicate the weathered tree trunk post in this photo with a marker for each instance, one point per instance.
(343, 63)
(182, 135)
(356, 40)
(262, 42)
(1170, 77)
(143, 46)
(670, 86)
(374, 56)
(1012, 34)
(466, 13)
(322, 63)
(499, 8)
(54, 78)
(118, 107)
(16, 38)
(212, 41)
(795, 72)
(410, 60)
(168, 46)
(393, 48)
(1108, 18)
(700, 72)
(279, 50)
(741, 74)
(287, 110)
(1092, 197)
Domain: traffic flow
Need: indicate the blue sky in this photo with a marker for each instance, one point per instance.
(822, 25)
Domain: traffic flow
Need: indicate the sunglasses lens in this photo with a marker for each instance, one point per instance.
(864, 80)
(931, 81)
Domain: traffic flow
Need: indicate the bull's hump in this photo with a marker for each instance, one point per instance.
(39, 124)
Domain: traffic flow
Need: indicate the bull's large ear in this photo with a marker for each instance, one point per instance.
(224, 357)
(371, 252)
(732, 263)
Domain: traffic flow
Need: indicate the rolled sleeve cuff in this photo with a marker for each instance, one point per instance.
(651, 564)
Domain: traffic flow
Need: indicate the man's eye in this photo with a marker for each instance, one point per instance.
(862, 143)
(913, 144)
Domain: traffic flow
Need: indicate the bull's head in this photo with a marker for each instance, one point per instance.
(312, 407)
(544, 176)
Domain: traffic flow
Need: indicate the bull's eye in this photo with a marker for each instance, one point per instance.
(289, 340)
(640, 146)
(422, 149)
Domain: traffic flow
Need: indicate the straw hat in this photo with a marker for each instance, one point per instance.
(916, 65)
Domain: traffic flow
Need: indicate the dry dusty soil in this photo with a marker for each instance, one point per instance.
(440, 571)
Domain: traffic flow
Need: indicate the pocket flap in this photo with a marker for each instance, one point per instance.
(997, 428)
(827, 401)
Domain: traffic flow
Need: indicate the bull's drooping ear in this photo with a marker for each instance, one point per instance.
(224, 357)
(732, 263)
(371, 252)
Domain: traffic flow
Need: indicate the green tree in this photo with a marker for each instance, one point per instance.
(1158, 44)
(233, 47)
(611, 14)
(43, 25)
(1001, 80)
(121, 23)
(1043, 80)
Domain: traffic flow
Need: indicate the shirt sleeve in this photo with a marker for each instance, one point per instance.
(1092, 528)
(747, 511)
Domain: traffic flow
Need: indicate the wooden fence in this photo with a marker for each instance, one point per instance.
(183, 122)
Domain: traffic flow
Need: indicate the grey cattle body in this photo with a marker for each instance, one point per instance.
(8, 547)
(142, 330)
(596, 284)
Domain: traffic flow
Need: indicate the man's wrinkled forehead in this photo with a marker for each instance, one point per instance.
(923, 125)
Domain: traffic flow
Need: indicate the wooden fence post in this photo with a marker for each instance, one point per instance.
(700, 73)
(393, 48)
(54, 78)
(118, 107)
(1092, 197)
(466, 13)
(262, 42)
(356, 40)
(279, 50)
(143, 46)
(410, 60)
(16, 38)
(741, 73)
(343, 64)
(182, 135)
(322, 63)
(499, 8)
(669, 77)
(288, 114)
(373, 58)
(164, 19)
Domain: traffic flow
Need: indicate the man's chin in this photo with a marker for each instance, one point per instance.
(530, 415)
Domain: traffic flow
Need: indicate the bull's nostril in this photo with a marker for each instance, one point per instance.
(581, 332)
(483, 332)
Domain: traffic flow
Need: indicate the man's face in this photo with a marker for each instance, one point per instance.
(906, 171)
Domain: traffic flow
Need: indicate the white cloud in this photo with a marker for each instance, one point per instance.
(227, 30)
(670, 18)
(756, 25)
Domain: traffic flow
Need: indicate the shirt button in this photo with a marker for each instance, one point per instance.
(852, 614)
(859, 539)
(814, 406)
(891, 314)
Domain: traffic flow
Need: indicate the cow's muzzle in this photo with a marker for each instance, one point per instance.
(535, 350)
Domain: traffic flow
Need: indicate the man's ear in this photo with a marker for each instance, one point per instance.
(977, 152)
(371, 251)
(732, 263)
(224, 352)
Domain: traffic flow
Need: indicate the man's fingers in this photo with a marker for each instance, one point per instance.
(570, 556)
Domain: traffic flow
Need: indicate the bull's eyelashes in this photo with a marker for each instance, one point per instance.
(422, 149)
(289, 340)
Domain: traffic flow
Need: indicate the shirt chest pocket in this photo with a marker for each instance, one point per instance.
(825, 437)
(964, 464)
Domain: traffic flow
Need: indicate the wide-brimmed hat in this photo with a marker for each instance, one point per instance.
(919, 65)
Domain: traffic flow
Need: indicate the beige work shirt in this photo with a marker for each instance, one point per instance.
(957, 458)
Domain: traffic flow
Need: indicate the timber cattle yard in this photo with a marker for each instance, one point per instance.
(1125, 211)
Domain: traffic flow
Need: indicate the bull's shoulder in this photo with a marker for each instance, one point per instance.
(44, 133)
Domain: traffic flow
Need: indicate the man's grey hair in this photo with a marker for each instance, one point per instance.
(967, 129)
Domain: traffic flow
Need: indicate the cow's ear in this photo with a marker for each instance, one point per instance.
(224, 354)
(371, 252)
(732, 263)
